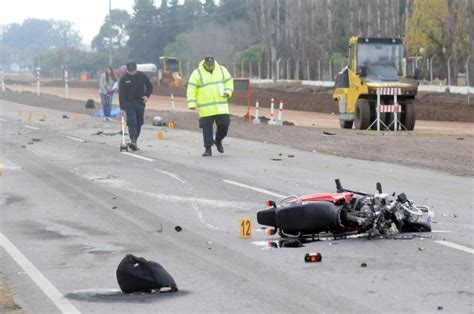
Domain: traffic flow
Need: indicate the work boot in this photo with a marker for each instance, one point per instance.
(207, 152)
(219, 147)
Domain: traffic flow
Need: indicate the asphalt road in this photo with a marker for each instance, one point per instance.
(72, 206)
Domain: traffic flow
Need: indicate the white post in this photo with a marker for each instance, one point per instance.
(272, 112)
(66, 87)
(256, 120)
(173, 106)
(378, 109)
(280, 113)
(395, 113)
(38, 81)
(3, 81)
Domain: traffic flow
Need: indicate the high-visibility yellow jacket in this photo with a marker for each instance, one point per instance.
(204, 92)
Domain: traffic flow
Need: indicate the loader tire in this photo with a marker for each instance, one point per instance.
(408, 117)
(346, 124)
(362, 116)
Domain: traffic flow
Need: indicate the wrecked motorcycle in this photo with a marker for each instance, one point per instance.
(345, 212)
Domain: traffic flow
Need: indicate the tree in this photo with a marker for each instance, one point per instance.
(428, 30)
(118, 22)
(143, 42)
(35, 36)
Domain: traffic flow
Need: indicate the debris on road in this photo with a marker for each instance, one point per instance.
(136, 274)
(178, 229)
(65, 116)
(313, 257)
(291, 156)
(421, 248)
(440, 307)
(363, 265)
(276, 159)
(328, 133)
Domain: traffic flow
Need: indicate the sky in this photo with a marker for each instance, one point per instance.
(87, 15)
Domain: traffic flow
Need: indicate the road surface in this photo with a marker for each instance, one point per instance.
(72, 206)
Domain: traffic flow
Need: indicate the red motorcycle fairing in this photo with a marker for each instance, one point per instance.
(335, 198)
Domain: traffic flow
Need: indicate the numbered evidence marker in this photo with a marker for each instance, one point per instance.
(159, 136)
(245, 228)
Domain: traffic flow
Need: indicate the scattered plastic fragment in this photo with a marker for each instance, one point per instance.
(178, 229)
(363, 265)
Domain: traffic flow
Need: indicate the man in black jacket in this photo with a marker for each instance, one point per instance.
(135, 89)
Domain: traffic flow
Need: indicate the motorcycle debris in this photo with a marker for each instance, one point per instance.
(65, 116)
(440, 307)
(421, 248)
(178, 229)
(276, 159)
(404, 237)
(313, 257)
(291, 156)
(363, 265)
(328, 133)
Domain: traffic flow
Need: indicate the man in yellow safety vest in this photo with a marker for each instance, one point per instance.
(209, 88)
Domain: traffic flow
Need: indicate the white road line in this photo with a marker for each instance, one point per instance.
(245, 186)
(138, 156)
(3, 120)
(31, 127)
(441, 231)
(41, 281)
(456, 246)
(171, 175)
(76, 139)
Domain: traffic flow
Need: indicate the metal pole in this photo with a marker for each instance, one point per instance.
(259, 69)
(330, 70)
(110, 33)
(242, 69)
(468, 81)
(288, 69)
(395, 114)
(308, 76)
(38, 81)
(319, 69)
(235, 69)
(297, 70)
(431, 70)
(378, 109)
(66, 87)
(278, 69)
(250, 69)
(3, 81)
(449, 71)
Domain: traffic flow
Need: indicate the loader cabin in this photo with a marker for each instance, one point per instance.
(374, 64)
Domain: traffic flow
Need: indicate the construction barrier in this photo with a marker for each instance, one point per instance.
(38, 81)
(395, 108)
(173, 105)
(256, 120)
(272, 112)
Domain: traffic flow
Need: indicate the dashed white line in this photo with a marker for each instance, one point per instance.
(76, 139)
(171, 175)
(3, 120)
(41, 281)
(456, 246)
(31, 127)
(245, 186)
(138, 156)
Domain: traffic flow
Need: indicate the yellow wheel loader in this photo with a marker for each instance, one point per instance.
(170, 73)
(375, 66)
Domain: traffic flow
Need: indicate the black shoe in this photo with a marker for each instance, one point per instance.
(133, 145)
(207, 152)
(219, 147)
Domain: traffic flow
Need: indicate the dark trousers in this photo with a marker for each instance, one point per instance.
(206, 124)
(135, 110)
